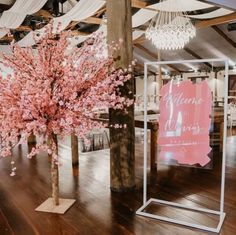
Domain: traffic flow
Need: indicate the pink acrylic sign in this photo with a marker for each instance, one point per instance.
(184, 122)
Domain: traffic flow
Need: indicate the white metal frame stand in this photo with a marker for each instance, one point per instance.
(146, 202)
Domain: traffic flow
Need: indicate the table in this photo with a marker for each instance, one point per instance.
(152, 125)
(218, 120)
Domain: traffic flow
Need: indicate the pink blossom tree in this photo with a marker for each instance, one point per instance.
(53, 92)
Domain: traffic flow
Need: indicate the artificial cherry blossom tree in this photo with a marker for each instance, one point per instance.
(54, 92)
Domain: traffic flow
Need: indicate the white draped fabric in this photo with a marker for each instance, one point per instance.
(213, 14)
(30, 38)
(78, 39)
(3, 32)
(180, 5)
(137, 34)
(13, 17)
(142, 16)
(86, 8)
(5, 49)
(82, 10)
(68, 5)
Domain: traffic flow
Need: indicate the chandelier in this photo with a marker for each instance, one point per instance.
(170, 30)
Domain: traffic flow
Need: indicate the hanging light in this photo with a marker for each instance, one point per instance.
(170, 30)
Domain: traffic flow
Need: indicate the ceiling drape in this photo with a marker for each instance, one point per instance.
(82, 10)
(180, 5)
(213, 14)
(86, 8)
(144, 15)
(13, 18)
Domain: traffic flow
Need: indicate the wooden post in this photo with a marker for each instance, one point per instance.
(54, 173)
(31, 142)
(153, 152)
(119, 26)
(75, 154)
(32, 139)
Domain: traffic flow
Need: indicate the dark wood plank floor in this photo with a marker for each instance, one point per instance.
(97, 211)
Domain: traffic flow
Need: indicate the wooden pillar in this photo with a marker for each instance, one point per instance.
(122, 160)
(153, 151)
(75, 154)
(31, 142)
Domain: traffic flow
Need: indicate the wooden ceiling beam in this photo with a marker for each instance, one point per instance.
(44, 13)
(155, 56)
(101, 12)
(141, 5)
(138, 4)
(223, 35)
(89, 20)
(72, 25)
(78, 33)
(93, 20)
(216, 21)
(196, 56)
(23, 28)
(141, 66)
(7, 38)
(140, 39)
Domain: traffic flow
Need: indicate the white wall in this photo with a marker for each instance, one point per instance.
(140, 85)
(216, 83)
(220, 81)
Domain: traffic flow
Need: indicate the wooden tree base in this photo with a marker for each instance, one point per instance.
(47, 206)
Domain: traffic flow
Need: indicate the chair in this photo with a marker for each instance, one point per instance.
(232, 116)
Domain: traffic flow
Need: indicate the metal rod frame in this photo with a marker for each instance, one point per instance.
(146, 202)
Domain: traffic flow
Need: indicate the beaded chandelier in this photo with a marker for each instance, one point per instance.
(170, 30)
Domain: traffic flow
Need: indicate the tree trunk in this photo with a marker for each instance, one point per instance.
(54, 173)
(122, 140)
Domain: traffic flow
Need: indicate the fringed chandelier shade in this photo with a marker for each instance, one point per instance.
(170, 30)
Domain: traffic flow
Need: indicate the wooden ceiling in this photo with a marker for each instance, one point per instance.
(51, 9)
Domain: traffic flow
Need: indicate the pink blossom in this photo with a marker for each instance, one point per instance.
(48, 94)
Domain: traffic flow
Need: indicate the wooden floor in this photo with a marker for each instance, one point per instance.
(97, 211)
